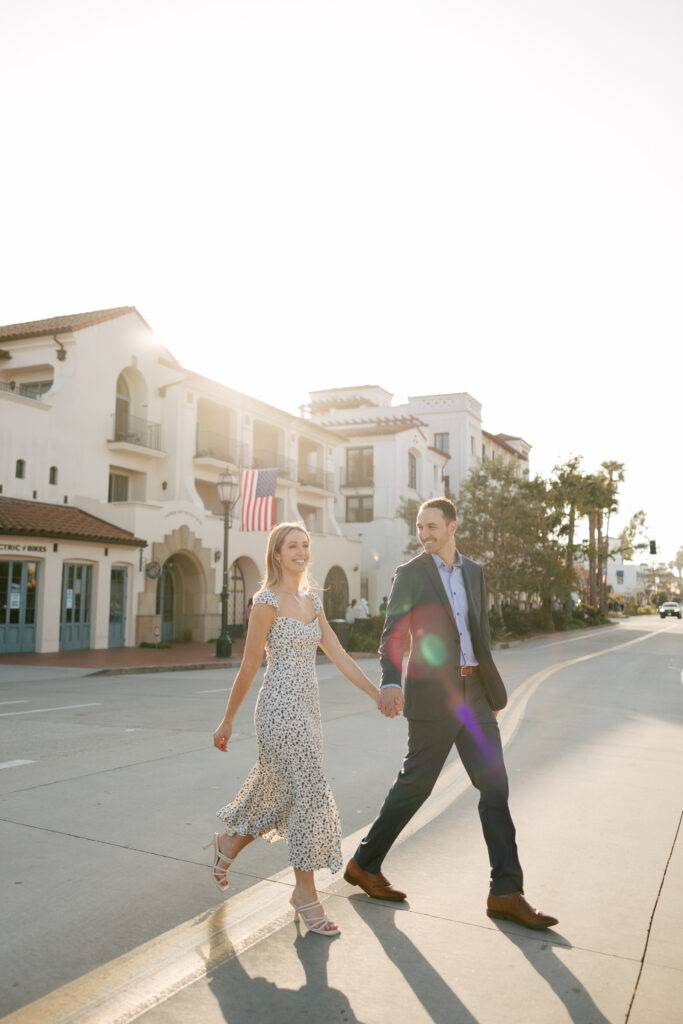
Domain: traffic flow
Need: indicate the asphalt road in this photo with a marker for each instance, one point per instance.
(109, 787)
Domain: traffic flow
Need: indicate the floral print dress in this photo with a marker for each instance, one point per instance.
(285, 796)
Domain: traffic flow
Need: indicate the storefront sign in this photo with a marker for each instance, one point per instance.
(38, 548)
(69, 599)
(15, 600)
(153, 570)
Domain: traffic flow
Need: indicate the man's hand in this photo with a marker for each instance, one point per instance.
(390, 701)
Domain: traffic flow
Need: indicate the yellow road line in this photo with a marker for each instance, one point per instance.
(123, 989)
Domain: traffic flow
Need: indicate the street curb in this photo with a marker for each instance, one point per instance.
(134, 670)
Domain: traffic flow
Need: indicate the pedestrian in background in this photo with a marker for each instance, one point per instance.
(286, 796)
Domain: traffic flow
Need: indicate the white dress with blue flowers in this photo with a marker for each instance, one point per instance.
(285, 795)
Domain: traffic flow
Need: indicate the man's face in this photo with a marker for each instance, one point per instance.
(435, 532)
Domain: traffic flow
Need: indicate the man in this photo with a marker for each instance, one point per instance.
(453, 694)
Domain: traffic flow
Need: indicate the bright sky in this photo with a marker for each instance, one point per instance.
(464, 195)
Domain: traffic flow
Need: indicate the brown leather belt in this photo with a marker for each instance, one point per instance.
(467, 670)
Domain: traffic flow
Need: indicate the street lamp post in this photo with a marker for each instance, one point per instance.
(228, 492)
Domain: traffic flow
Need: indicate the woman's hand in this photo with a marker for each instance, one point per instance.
(222, 735)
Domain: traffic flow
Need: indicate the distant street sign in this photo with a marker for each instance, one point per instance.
(157, 632)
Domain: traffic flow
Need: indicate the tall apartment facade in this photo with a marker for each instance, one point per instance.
(111, 530)
(391, 453)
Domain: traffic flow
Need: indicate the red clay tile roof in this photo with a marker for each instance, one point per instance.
(57, 324)
(39, 519)
(500, 440)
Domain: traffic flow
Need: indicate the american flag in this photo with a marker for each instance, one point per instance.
(258, 498)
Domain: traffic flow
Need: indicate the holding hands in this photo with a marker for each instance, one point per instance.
(390, 701)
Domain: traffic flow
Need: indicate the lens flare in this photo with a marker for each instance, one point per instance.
(433, 650)
(466, 716)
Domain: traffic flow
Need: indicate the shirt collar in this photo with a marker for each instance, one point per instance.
(440, 564)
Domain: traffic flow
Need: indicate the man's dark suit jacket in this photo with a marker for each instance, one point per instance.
(419, 611)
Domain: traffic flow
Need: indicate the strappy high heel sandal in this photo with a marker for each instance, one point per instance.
(314, 923)
(221, 863)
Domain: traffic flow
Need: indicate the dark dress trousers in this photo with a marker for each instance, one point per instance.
(444, 708)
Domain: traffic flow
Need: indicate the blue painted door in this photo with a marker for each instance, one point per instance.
(74, 625)
(18, 604)
(166, 604)
(117, 606)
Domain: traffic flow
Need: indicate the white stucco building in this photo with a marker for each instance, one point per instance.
(416, 450)
(111, 531)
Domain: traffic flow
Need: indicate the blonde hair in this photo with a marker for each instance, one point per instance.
(276, 539)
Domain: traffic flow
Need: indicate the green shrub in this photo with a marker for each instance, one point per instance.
(540, 620)
(364, 641)
(560, 619)
(496, 623)
(646, 609)
(161, 645)
(517, 621)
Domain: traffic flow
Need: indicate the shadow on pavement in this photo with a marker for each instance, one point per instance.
(436, 996)
(244, 998)
(559, 979)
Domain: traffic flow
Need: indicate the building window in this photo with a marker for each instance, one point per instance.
(53, 474)
(359, 509)
(359, 466)
(473, 444)
(483, 451)
(20, 471)
(118, 487)
(412, 471)
(442, 442)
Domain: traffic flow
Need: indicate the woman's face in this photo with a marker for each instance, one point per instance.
(295, 553)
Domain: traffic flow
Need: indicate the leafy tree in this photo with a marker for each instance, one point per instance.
(407, 510)
(509, 524)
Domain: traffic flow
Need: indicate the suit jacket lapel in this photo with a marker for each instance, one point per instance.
(437, 584)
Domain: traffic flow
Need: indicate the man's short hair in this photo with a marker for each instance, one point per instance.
(446, 506)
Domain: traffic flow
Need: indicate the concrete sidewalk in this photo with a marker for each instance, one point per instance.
(117, 660)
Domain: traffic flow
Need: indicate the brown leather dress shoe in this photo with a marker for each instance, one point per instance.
(515, 908)
(372, 882)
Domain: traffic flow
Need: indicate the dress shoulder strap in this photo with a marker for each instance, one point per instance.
(266, 597)
(317, 603)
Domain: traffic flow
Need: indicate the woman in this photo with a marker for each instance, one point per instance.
(285, 795)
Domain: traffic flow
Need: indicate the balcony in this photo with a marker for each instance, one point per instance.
(32, 391)
(311, 476)
(219, 448)
(362, 477)
(264, 459)
(135, 431)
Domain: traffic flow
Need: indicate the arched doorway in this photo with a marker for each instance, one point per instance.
(181, 599)
(236, 600)
(166, 601)
(336, 596)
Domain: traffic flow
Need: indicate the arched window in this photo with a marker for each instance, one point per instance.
(412, 471)
(122, 413)
(20, 471)
(53, 474)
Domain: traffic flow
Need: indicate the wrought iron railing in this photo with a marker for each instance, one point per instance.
(311, 476)
(34, 391)
(136, 430)
(211, 445)
(265, 459)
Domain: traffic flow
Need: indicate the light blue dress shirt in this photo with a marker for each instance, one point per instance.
(454, 585)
